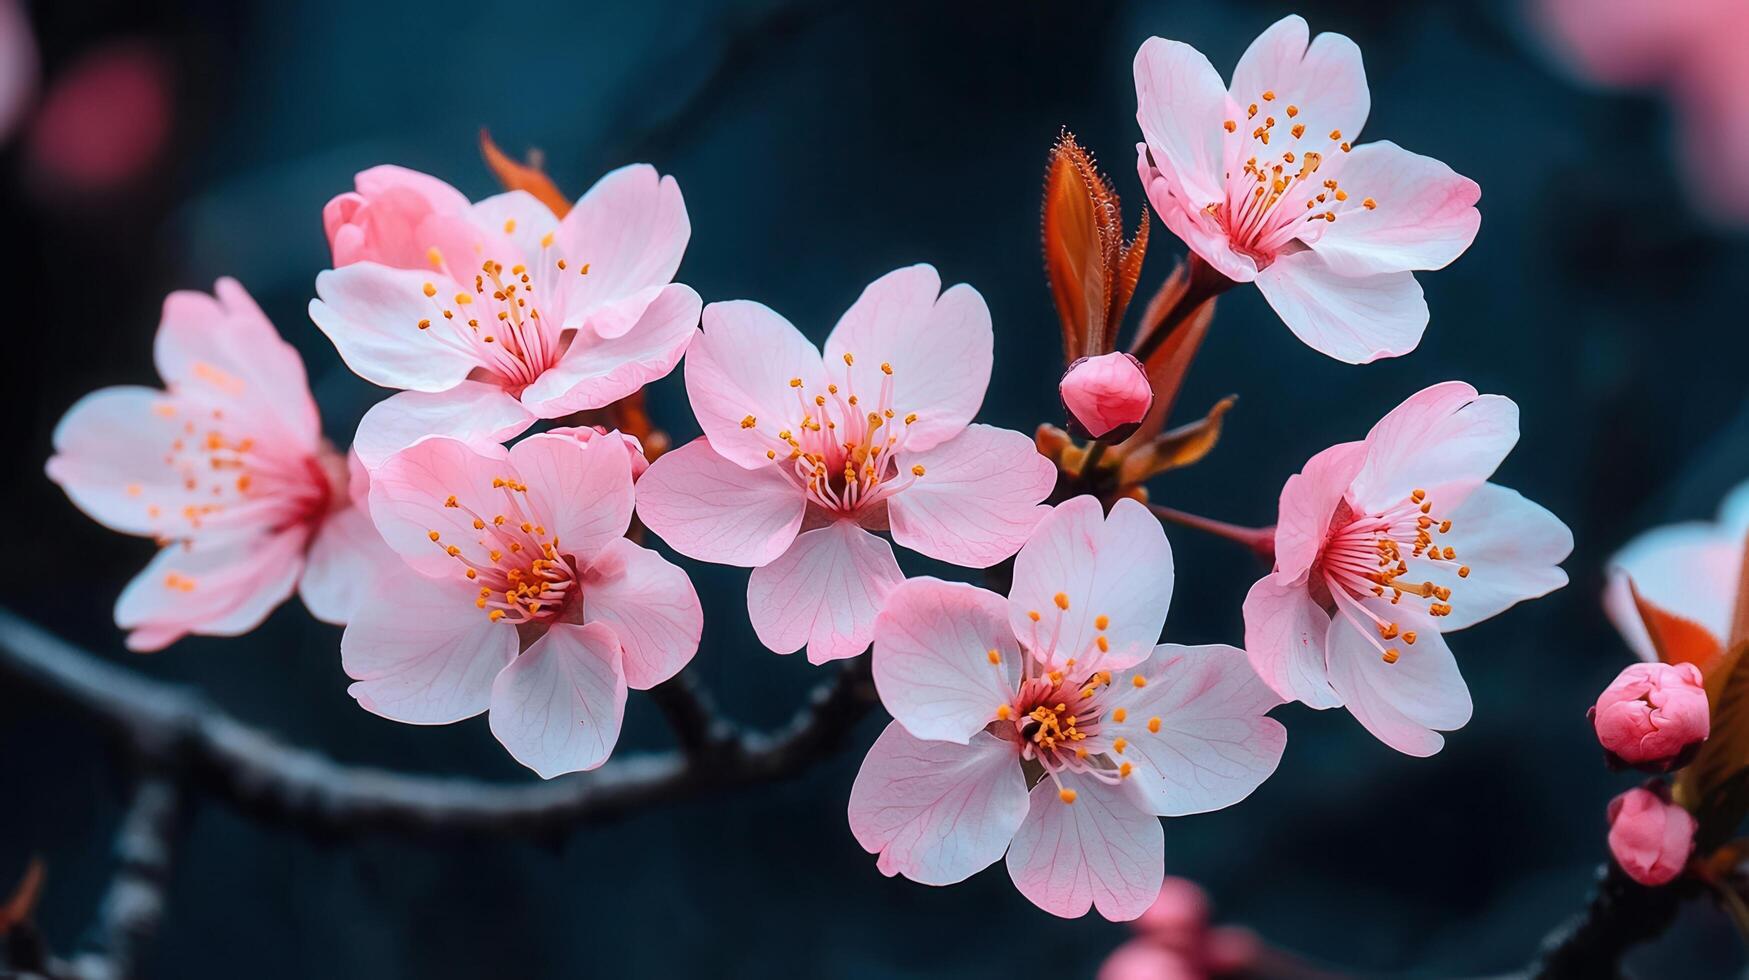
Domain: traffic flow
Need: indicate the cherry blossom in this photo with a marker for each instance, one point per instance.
(524, 596)
(1050, 725)
(493, 314)
(1384, 545)
(1264, 181)
(1653, 716)
(227, 468)
(1688, 570)
(1106, 394)
(804, 457)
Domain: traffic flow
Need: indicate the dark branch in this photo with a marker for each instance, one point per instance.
(1622, 914)
(253, 770)
(128, 917)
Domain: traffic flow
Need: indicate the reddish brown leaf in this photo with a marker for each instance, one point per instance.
(22, 903)
(1076, 261)
(1171, 360)
(523, 177)
(1677, 640)
(1181, 447)
(1125, 277)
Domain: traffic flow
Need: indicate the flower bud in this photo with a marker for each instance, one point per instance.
(586, 433)
(1108, 395)
(1650, 837)
(1653, 716)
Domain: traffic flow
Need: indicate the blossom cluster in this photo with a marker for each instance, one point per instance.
(482, 539)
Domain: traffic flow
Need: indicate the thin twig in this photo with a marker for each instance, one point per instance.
(264, 777)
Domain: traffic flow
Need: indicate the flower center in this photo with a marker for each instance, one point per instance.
(1277, 191)
(498, 322)
(514, 560)
(229, 478)
(1369, 557)
(1062, 716)
(839, 450)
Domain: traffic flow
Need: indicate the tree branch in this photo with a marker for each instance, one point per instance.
(1622, 914)
(264, 777)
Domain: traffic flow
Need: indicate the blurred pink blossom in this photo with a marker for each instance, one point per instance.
(1106, 393)
(1263, 181)
(1694, 51)
(228, 468)
(1653, 716)
(1384, 545)
(1650, 837)
(104, 120)
(524, 596)
(805, 457)
(492, 314)
(18, 66)
(1050, 726)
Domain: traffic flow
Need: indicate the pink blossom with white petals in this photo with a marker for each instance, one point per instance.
(496, 313)
(1384, 545)
(228, 468)
(1050, 726)
(1264, 182)
(804, 458)
(524, 596)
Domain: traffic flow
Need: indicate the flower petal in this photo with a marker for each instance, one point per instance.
(409, 494)
(223, 351)
(1215, 743)
(1399, 702)
(708, 508)
(109, 458)
(1426, 215)
(557, 708)
(1181, 104)
(823, 592)
(345, 552)
(372, 314)
(582, 489)
(421, 653)
(1324, 81)
(1513, 548)
(1689, 570)
(651, 606)
(1104, 851)
(979, 498)
(210, 587)
(933, 666)
(1117, 567)
(940, 350)
(632, 229)
(1308, 504)
(1285, 635)
(740, 367)
(1355, 320)
(1445, 439)
(937, 812)
(472, 411)
(596, 371)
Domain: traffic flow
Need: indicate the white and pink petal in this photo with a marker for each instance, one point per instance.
(979, 498)
(823, 593)
(945, 660)
(557, 707)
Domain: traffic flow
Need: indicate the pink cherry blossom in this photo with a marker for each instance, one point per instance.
(227, 467)
(1653, 716)
(1174, 939)
(1106, 393)
(524, 597)
(496, 313)
(1691, 48)
(804, 458)
(1689, 570)
(1650, 837)
(1381, 547)
(105, 120)
(1050, 726)
(1263, 181)
(18, 66)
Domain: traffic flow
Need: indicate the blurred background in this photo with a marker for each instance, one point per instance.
(158, 146)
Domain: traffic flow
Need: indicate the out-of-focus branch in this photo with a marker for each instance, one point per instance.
(128, 917)
(1622, 914)
(190, 737)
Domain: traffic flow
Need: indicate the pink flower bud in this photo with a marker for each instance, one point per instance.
(1653, 716)
(585, 433)
(1106, 393)
(1179, 916)
(1650, 837)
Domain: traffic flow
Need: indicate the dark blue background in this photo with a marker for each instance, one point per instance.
(819, 145)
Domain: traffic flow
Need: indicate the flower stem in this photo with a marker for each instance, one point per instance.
(1259, 539)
